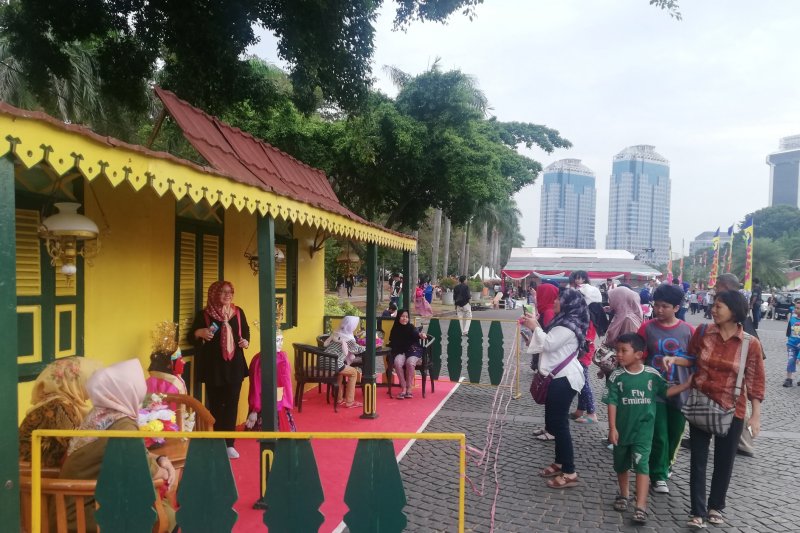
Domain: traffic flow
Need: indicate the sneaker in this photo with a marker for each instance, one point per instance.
(232, 453)
(660, 487)
(788, 382)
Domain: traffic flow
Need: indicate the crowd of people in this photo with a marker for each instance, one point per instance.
(664, 372)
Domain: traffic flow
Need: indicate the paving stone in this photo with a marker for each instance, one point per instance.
(762, 494)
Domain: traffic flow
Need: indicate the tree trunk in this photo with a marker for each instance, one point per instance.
(437, 230)
(413, 276)
(487, 257)
(465, 251)
(446, 254)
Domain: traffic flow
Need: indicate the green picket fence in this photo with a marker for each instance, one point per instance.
(495, 352)
(375, 495)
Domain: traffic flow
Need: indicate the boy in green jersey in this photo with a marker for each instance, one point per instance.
(631, 397)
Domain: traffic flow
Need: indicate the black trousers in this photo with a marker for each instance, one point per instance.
(556, 420)
(223, 402)
(724, 455)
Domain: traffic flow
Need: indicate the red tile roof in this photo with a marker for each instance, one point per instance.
(251, 160)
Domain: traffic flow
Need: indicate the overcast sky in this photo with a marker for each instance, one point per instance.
(713, 92)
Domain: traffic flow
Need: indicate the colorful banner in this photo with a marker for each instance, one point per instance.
(669, 265)
(748, 235)
(730, 249)
(712, 274)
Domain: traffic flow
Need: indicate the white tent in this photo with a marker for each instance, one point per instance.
(486, 273)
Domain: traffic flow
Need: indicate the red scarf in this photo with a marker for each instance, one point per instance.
(217, 312)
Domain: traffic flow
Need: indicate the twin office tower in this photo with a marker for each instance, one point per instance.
(638, 217)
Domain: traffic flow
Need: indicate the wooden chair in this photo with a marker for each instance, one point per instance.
(423, 365)
(62, 494)
(203, 420)
(313, 365)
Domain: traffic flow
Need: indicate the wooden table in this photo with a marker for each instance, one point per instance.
(175, 450)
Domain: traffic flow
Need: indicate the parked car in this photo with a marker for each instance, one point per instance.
(783, 305)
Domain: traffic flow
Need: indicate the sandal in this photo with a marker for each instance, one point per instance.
(573, 416)
(354, 404)
(715, 517)
(545, 436)
(409, 395)
(540, 431)
(696, 522)
(561, 481)
(640, 515)
(621, 503)
(550, 471)
(401, 396)
(585, 419)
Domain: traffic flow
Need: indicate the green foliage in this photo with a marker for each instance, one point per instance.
(447, 283)
(776, 221)
(333, 307)
(769, 261)
(475, 285)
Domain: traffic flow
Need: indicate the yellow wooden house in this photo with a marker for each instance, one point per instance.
(167, 229)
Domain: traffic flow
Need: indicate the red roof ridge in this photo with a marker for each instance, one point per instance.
(240, 131)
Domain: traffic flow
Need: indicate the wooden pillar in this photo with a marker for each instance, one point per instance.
(9, 377)
(266, 306)
(368, 376)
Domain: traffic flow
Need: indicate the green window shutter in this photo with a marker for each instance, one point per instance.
(187, 307)
(29, 260)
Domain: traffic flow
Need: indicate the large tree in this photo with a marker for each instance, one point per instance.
(329, 44)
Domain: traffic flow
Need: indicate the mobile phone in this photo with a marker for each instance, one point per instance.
(528, 309)
(213, 327)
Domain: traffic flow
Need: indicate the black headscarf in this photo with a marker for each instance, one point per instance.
(574, 314)
(402, 336)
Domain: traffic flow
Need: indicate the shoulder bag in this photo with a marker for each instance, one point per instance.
(541, 383)
(706, 414)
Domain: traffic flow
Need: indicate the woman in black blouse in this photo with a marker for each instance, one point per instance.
(406, 351)
(221, 334)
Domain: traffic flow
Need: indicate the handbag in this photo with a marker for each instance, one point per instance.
(541, 383)
(706, 414)
(605, 357)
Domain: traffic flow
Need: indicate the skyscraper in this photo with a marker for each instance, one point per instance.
(638, 218)
(784, 173)
(566, 219)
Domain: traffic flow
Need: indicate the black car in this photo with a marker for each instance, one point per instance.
(783, 305)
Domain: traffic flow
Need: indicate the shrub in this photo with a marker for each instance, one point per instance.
(475, 285)
(447, 283)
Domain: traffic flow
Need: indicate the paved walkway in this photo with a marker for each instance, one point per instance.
(762, 497)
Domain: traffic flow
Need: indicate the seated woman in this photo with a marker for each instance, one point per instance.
(406, 351)
(117, 393)
(59, 401)
(342, 343)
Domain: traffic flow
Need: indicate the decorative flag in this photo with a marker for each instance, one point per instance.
(730, 249)
(712, 274)
(747, 228)
(669, 265)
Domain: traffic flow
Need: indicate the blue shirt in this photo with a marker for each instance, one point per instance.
(793, 332)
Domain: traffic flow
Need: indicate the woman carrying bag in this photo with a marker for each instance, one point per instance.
(719, 350)
(559, 346)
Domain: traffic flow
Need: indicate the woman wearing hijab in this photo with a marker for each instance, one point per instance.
(342, 343)
(116, 393)
(627, 309)
(406, 351)
(560, 342)
(59, 401)
(546, 298)
(221, 334)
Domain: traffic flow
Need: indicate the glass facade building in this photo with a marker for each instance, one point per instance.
(639, 203)
(784, 174)
(566, 218)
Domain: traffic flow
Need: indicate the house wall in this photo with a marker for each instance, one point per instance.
(130, 286)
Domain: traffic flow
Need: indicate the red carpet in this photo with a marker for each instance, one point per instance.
(334, 457)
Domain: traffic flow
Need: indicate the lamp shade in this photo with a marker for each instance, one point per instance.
(69, 223)
(347, 256)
